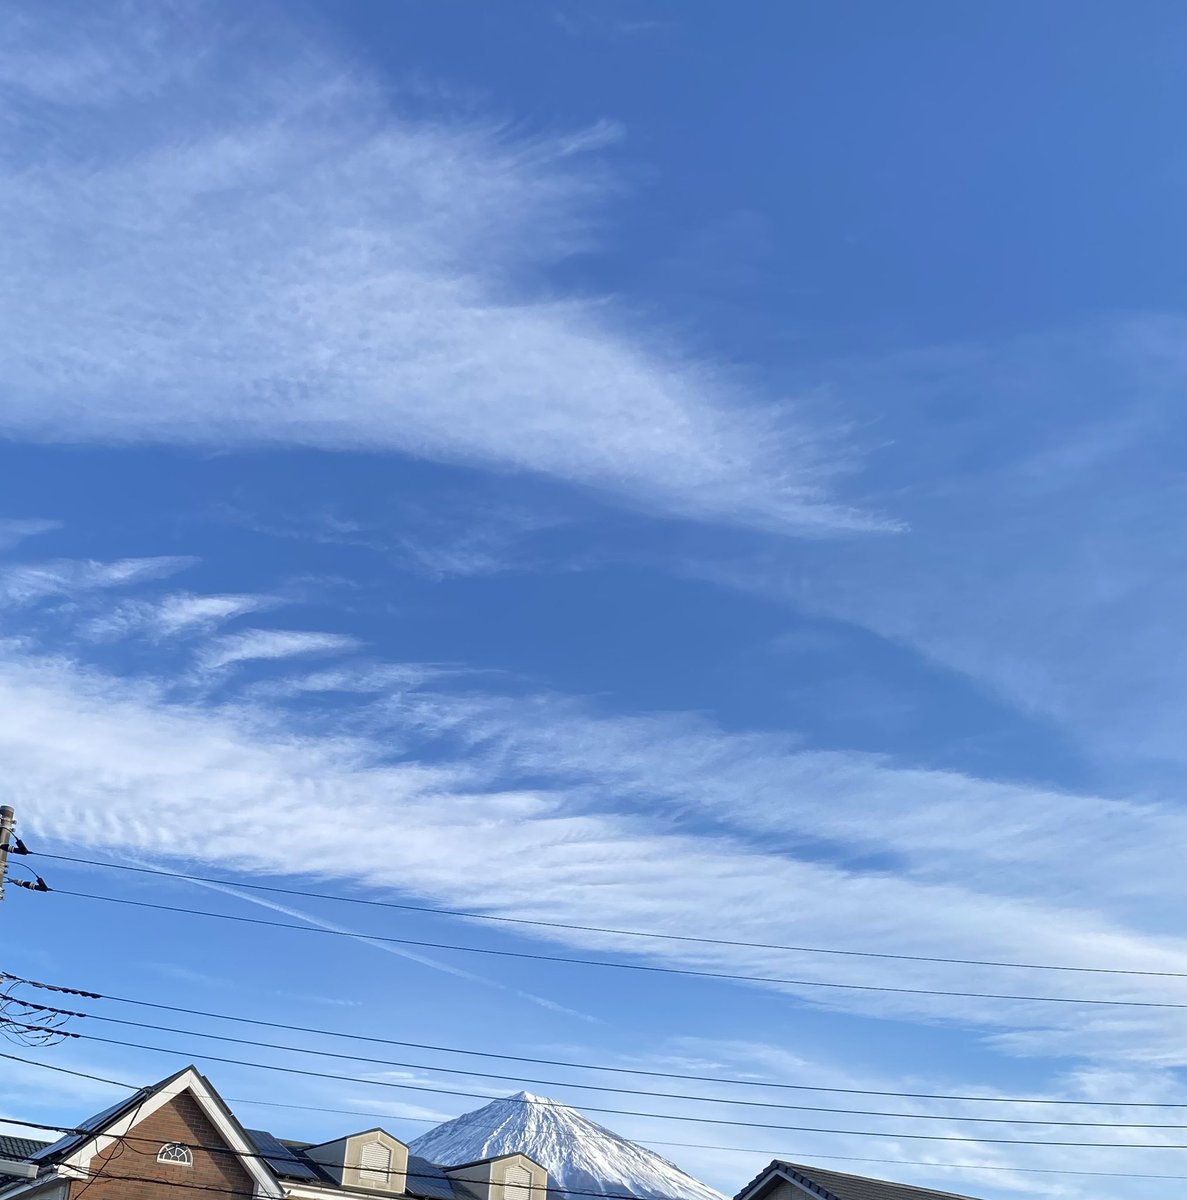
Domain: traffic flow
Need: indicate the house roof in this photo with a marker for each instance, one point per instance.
(274, 1158)
(60, 1154)
(837, 1185)
(289, 1160)
(19, 1149)
(52, 1151)
(474, 1162)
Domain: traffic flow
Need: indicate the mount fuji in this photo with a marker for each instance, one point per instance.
(581, 1156)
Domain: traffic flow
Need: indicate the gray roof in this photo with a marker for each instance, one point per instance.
(285, 1159)
(428, 1180)
(836, 1185)
(288, 1160)
(19, 1147)
(71, 1141)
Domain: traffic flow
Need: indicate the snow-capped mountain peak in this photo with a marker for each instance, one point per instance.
(580, 1155)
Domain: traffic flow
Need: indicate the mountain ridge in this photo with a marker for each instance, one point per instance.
(580, 1155)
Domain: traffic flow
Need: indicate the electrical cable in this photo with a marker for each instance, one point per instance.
(385, 1083)
(354, 1112)
(383, 1062)
(553, 1062)
(672, 937)
(684, 972)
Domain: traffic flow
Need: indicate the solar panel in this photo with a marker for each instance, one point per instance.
(89, 1125)
(428, 1180)
(280, 1158)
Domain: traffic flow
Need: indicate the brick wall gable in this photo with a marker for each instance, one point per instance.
(128, 1169)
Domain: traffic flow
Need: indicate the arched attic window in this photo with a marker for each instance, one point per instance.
(175, 1153)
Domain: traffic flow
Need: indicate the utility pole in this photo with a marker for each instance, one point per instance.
(7, 827)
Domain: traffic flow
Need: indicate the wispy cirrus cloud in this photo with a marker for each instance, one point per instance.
(259, 271)
(28, 583)
(1046, 559)
(177, 615)
(109, 763)
(15, 529)
(261, 645)
(972, 1167)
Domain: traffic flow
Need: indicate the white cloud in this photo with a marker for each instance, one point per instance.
(110, 764)
(265, 644)
(27, 583)
(727, 1156)
(177, 615)
(14, 530)
(114, 58)
(297, 266)
(940, 826)
(765, 1062)
(1046, 559)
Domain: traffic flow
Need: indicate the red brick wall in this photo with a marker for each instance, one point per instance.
(123, 1166)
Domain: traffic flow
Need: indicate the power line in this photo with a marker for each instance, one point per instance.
(34, 1124)
(257, 1156)
(638, 933)
(173, 1184)
(686, 972)
(900, 1162)
(439, 1091)
(546, 1188)
(591, 1087)
(61, 1071)
(553, 1062)
(354, 1112)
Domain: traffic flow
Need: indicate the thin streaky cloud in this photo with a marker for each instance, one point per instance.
(110, 766)
(178, 615)
(14, 529)
(257, 645)
(423, 959)
(324, 273)
(1075, 591)
(27, 583)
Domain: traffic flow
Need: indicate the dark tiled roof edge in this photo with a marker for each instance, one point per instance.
(16, 1147)
(821, 1180)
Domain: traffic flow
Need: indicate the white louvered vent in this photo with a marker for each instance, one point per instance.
(517, 1183)
(375, 1163)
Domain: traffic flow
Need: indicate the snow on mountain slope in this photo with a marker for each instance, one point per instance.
(579, 1154)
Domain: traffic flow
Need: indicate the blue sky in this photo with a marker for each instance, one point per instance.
(668, 466)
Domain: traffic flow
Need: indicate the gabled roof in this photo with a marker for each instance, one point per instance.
(55, 1151)
(836, 1185)
(268, 1159)
(73, 1152)
(476, 1162)
(289, 1160)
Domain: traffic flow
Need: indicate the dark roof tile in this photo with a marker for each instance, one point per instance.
(837, 1185)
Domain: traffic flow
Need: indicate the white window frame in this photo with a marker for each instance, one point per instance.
(168, 1153)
